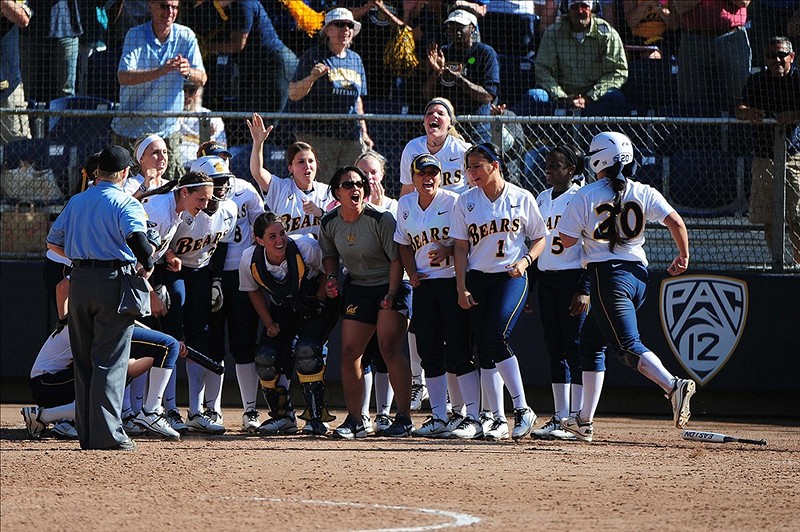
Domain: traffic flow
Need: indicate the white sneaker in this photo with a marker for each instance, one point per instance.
(419, 393)
(214, 416)
(65, 429)
(469, 429)
(367, 422)
(433, 428)
(486, 420)
(498, 431)
(275, 426)
(32, 424)
(200, 423)
(156, 422)
(583, 430)
(524, 418)
(552, 431)
(316, 427)
(684, 390)
(454, 420)
(131, 428)
(176, 422)
(382, 422)
(250, 421)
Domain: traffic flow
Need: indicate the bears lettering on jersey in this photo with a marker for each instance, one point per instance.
(451, 179)
(299, 222)
(477, 232)
(187, 244)
(434, 234)
(552, 221)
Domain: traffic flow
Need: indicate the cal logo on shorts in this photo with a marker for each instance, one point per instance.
(703, 318)
(351, 310)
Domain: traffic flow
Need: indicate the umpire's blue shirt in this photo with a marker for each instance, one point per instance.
(96, 223)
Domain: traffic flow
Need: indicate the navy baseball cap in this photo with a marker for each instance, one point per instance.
(423, 161)
(215, 149)
(114, 158)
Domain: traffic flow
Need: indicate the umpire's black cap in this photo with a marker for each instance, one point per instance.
(114, 158)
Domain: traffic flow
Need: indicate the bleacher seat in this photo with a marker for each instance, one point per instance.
(73, 127)
(706, 182)
(37, 171)
(517, 75)
(101, 80)
(651, 84)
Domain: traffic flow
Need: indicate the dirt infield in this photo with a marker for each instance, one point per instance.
(638, 474)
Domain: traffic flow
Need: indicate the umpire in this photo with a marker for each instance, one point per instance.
(102, 230)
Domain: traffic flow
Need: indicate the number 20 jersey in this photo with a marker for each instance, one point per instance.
(588, 214)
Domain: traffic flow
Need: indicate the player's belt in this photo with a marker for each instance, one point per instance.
(94, 263)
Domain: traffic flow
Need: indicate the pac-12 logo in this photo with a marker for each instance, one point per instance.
(703, 318)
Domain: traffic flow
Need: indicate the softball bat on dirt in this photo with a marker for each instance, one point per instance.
(716, 437)
(196, 356)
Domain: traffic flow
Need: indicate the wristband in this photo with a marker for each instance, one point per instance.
(142, 188)
(528, 259)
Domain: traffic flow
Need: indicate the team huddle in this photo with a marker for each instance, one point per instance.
(272, 268)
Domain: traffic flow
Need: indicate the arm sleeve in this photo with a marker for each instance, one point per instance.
(141, 248)
(218, 259)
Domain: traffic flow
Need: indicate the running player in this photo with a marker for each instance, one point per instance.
(610, 216)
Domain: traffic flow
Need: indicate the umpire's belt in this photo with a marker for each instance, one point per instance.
(94, 263)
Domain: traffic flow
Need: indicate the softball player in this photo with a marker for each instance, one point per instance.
(442, 327)
(150, 153)
(563, 290)
(299, 199)
(489, 225)
(442, 140)
(610, 216)
(200, 243)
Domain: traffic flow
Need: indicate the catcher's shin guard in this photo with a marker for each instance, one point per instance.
(316, 404)
(278, 399)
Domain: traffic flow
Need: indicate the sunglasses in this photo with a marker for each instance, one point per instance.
(342, 24)
(348, 185)
(777, 55)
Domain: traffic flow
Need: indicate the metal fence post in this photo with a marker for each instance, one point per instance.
(778, 243)
(205, 128)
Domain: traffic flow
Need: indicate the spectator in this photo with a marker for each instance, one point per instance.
(464, 71)
(775, 93)
(15, 15)
(581, 65)
(263, 59)
(49, 48)
(651, 23)
(714, 54)
(190, 127)
(331, 79)
(157, 59)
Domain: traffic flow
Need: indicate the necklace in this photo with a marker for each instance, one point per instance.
(434, 145)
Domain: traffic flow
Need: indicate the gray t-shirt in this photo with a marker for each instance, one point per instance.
(366, 246)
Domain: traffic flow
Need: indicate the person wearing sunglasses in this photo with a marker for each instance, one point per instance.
(330, 79)
(775, 93)
(374, 296)
(490, 224)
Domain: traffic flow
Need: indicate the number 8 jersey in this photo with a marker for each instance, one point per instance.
(589, 214)
(496, 231)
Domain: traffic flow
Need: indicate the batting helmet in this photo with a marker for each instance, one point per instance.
(217, 169)
(608, 149)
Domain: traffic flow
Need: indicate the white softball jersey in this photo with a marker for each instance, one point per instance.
(54, 356)
(249, 204)
(132, 184)
(423, 230)
(451, 158)
(161, 216)
(197, 237)
(285, 199)
(588, 215)
(496, 231)
(555, 256)
(309, 249)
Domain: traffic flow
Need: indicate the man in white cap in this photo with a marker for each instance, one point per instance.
(580, 65)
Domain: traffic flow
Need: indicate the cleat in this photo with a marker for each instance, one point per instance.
(486, 419)
(32, 424)
(278, 426)
(65, 430)
(156, 423)
(250, 421)
(552, 431)
(200, 423)
(214, 416)
(176, 422)
(524, 418)
(433, 428)
(468, 429)
(454, 420)
(367, 424)
(684, 390)
(401, 427)
(350, 430)
(382, 422)
(315, 427)
(419, 393)
(498, 430)
(130, 427)
(583, 430)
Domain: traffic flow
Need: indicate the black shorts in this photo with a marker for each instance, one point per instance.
(362, 303)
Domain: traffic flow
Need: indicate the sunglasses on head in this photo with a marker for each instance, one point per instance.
(348, 185)
(343, 24)
(778, 55)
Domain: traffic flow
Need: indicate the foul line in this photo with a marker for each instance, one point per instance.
(456, 519)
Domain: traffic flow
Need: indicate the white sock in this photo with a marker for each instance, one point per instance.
(470, 386)
(137, 392)
(384, 393)
(169, 394)
(592, 388)
(247, 378)
(561, 399)
(417, 373)
(368, 377)
(213, 394)
(159, 378)
(509, 369)
(651, 367)
(57, 413)
(576, 397)
(197, 385)
(437, 395)
(492, 384)
(454, 391)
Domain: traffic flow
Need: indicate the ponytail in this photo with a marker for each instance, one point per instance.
(618, 178)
